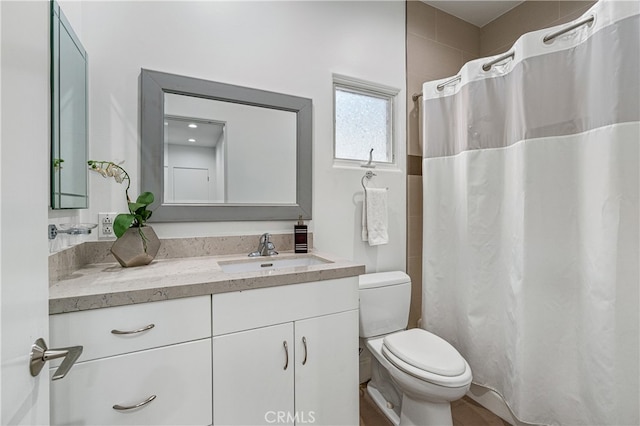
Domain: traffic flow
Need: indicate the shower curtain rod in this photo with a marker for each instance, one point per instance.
(550, 37)
(486, 67)
(440, 86)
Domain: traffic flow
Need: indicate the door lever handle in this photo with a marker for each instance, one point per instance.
(40, 354)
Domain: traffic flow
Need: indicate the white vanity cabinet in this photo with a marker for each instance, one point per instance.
(273, 355)
(146, 364)
(287, 354)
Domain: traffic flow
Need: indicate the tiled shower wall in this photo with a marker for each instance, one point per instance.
(438, 44)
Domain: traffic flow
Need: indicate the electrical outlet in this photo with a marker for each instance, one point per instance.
(105, 226)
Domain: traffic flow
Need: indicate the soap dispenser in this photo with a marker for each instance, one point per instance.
(300, 237)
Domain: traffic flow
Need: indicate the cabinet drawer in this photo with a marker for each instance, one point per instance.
(178, 375)
(244, 310)
(174, 321)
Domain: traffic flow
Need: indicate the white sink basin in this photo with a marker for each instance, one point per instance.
(270, 263)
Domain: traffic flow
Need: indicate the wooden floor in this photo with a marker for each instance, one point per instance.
(465, 412)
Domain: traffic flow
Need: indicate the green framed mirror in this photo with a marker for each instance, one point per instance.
(69, 118)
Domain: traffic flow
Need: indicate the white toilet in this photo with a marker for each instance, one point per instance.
(414, 374)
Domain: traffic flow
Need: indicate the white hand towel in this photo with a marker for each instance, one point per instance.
(374, 216)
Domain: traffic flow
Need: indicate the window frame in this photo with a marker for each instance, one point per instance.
(366, 88)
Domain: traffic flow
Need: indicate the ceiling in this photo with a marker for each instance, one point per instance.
(180, 131)
(478, 13)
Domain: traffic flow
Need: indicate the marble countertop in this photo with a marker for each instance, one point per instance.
(105, 285)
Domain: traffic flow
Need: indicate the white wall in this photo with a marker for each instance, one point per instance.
(287, 47)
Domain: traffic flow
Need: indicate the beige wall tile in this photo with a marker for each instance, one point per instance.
(414, 269)
(455, 32)
(421, 19)
(498, 50)
(566, 8)
(414, 137)
(414, 117)
(414, 165)
(431, 59)
(466, 56)
(414, 197)
(575, 14)
(414, 83)
(535, 15)
(501, 31)
(414, 235)
(499, 35)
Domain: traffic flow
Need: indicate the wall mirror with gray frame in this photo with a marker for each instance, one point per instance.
(68, 115)
(212, 151)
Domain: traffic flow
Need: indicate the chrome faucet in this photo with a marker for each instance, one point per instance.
(265, 247)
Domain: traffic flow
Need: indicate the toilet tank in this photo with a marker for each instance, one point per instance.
(384, 302)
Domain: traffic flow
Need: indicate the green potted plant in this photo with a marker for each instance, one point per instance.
(136, 244)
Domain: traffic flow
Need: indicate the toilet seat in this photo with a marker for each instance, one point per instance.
(427, 357)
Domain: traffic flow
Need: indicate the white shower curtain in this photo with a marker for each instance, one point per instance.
(531, 220)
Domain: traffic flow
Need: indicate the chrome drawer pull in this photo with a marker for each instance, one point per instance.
(304, 342)
(131, 407)
(286, 353)
(140, 330)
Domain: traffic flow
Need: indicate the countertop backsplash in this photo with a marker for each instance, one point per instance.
(65, 262)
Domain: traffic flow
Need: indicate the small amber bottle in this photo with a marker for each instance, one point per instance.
(300, 237)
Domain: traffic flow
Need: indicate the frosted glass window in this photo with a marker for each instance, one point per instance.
(363, 121)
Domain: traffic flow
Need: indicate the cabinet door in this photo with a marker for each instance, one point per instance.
(253, 376)
(327, 383)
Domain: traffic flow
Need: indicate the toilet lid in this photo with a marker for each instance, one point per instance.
(426, 351)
